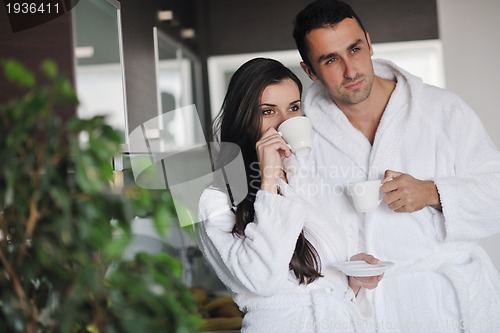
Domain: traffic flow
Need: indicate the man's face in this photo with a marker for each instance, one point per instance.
(341, 60)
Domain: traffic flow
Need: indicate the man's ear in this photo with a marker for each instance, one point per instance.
(369, 43)
(308, 71)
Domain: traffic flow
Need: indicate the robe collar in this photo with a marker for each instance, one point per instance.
(332, 124)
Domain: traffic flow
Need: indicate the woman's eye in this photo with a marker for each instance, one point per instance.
(295, 108)
(267, 112)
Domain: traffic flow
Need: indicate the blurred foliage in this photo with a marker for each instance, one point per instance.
(60, 267)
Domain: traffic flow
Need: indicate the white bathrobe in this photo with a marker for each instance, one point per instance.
(443, 280)
(255, 268)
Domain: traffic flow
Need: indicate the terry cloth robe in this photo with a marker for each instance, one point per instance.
(255, 267)
(443, 281)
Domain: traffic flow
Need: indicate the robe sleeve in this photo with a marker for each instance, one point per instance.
(470, 198)
(259, 260)
(362, 304)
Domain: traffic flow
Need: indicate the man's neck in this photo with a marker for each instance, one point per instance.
(365, 116)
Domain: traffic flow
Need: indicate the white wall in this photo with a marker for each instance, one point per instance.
(469, 31)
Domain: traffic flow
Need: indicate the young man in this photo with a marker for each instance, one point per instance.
(440, 171)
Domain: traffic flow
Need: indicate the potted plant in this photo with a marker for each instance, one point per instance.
(60, 267)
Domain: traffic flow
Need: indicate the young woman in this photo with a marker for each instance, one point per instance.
(274, 249)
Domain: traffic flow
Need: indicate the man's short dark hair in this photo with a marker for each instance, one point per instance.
(320, 14)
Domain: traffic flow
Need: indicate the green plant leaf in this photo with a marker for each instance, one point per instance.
(49, 68)
(162, 219)
(18, 73)
(71, 271)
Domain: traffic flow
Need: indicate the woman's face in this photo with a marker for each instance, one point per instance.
(279, 102)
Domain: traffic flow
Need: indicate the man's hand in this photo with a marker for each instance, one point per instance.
(403, 193)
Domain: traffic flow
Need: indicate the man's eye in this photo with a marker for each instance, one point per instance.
(356, 49)
(330, 61)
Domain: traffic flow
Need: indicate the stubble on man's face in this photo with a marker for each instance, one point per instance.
(344, 95)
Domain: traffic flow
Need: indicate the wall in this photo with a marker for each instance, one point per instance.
(139, 61)
(469, 32)
(52, 40)
(266, 25)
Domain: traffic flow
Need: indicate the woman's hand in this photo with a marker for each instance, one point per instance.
(368, 282)
(271, 149)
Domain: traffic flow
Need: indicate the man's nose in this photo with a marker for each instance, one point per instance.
(349, 69)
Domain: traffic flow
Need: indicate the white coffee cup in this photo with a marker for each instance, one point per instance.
(365, 195)
(297, 132)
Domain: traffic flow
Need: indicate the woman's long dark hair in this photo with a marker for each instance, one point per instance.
(239, 123)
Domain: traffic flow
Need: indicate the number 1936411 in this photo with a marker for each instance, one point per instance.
(32, 8)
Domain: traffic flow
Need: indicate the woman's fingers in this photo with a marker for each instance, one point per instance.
(270, 140)
(364, 257)
(271, 132)
(368, 282)
(273, 147)
(274, 142)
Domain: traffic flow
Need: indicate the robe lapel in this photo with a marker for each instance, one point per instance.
(391, 131)
(331, 123)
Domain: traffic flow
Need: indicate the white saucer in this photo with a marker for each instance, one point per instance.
(362, 268)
